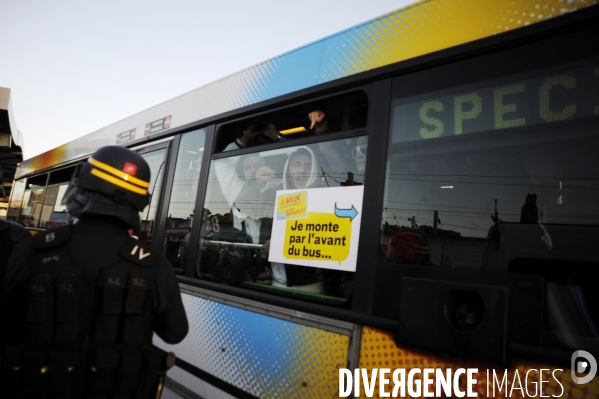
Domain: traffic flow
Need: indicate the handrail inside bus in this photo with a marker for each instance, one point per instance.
(236, 244)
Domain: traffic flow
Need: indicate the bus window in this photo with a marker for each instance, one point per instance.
(48, 206)
(344, 112)
(16, 201)
(156, 159)
(33, 207)
(33, 200)
(182, 204)
(454, 152)
(500, 175)
(37, 181)
(61, 176)
(239, 209)
(54, 213)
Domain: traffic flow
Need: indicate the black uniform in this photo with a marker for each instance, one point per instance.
(11, 234)
(97, 244)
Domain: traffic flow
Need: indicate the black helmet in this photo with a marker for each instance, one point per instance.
(114, 181)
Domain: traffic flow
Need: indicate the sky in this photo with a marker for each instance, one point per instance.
(76, 66)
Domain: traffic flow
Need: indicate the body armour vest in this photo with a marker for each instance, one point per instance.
(90, 334)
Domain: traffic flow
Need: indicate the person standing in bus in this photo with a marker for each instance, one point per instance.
(85, 299)
(301, 172)
(242, 180)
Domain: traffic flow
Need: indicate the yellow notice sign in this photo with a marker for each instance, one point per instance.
(323, 231)
(292, 206)
(320, 236)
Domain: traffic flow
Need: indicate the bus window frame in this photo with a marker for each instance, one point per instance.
(377, 121)
(194, 237)
(162, 213)
(159, 217)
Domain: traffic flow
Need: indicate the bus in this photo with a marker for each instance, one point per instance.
(419, 192)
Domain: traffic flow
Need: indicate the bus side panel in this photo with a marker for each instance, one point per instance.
(378, 350)
(265, 356)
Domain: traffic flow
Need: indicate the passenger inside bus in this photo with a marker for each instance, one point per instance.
(266, 132)
(242, 181)
(301, 171)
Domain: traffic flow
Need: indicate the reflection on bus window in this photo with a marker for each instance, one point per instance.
(458, 156)
(504, 176)
(48, 207)
(156, 161)
(33, 207)
(239, 208)
(55, 214)
(16, 202)
(183, 197)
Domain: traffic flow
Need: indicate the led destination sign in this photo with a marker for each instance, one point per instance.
(545, 98)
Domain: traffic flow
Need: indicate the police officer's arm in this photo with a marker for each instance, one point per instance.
(170, 318)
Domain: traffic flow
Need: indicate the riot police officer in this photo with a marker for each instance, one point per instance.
(86, 297)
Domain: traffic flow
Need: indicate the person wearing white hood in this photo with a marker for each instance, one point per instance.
(301, 171)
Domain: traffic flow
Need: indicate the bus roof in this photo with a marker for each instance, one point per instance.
(421, 28)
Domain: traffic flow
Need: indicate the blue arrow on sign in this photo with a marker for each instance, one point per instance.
(346, 213)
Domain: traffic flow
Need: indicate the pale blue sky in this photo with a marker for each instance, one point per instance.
(76, 66)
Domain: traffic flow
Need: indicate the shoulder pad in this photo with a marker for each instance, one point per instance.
(52, 238)
(138, 252)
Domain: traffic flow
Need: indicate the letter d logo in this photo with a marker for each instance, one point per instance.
(582, 366)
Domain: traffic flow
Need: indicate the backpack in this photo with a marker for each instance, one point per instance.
(92, 333)
(408, 246)
(230, 265)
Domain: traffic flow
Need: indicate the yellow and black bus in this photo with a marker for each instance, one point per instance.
(439, 211)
